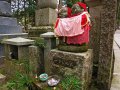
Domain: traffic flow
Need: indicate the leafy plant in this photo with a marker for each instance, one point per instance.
(71, 2)
(40, 43)
(21, 80)
(71, 82)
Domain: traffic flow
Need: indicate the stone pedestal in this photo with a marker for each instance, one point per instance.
(67, 63)
(45, 16)
(50, 43)
(17, 48)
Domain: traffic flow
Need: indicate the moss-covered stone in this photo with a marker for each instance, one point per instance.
(73, 48)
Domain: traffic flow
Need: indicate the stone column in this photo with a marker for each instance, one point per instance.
(50, 43)
(108, 24)
(45, 13)
(34, 60)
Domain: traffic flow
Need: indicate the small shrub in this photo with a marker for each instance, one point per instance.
(40, 43)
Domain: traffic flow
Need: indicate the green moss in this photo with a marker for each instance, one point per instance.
(73, 48)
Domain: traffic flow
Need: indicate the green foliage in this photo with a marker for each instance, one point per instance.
(21, 79)
(19, 82)
(71, 82)
(40, 43)
(71, 2)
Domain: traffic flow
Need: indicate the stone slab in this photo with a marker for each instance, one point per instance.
(13, 35)
(8, 21)
(5, 9)
(48, 35)
(5, 29)
(67, 63)
(46, 16)
(19, 41)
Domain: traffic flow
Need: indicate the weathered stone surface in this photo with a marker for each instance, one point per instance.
(8, 21)
(73, 48)
(19, 41)
(17, 48)
(34, 60)
(37, 31)
(5, 29)
(66, 63)
(50, 43)
(6, 36)
(48, 35)
(46, 16)
(5, 9)
(108, 20)
(47, 4)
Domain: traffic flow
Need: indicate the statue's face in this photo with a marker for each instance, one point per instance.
(76, 9)
(62, 13)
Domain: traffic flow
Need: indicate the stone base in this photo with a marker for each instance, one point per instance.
(46, 16)
(73, 48)
(67, 63)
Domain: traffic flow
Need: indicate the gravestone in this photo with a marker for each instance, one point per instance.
(8, 25)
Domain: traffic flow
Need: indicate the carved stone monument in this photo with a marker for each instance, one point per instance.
(8, 25)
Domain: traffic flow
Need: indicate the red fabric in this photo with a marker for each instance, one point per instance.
(69, 15)
(82, 5)
(56, 24)
(80, 39)
(69, 11)
(84, 20)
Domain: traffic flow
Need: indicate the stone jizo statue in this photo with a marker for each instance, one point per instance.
(72, 26)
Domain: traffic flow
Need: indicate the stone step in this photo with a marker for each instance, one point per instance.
(8, 21)
(2, 79)
(5, 29)
(5, 9)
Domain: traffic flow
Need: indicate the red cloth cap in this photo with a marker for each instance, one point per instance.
(83, 5)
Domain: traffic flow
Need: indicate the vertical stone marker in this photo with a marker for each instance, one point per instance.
(108, 20)
(46, 14)
(8, 25)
